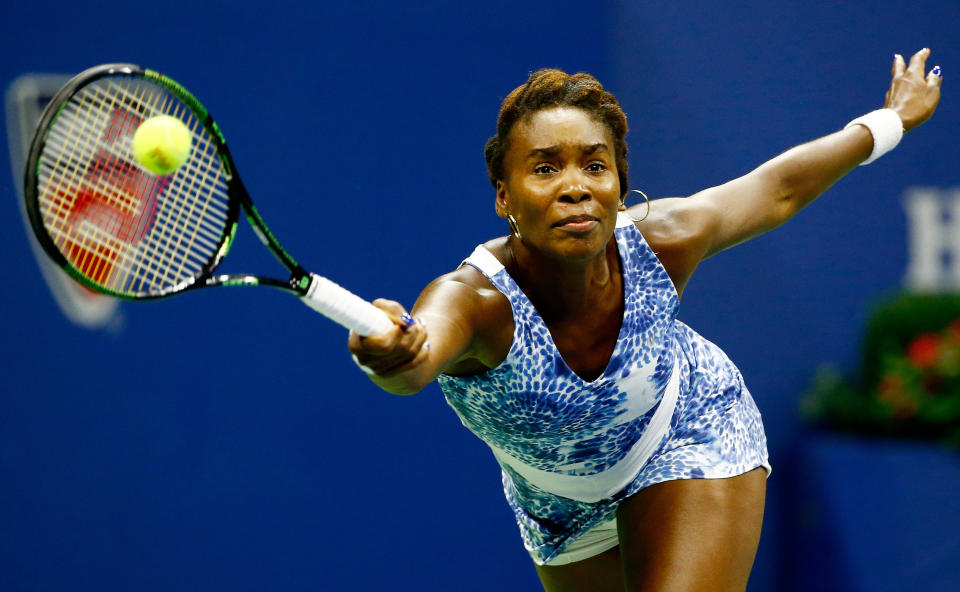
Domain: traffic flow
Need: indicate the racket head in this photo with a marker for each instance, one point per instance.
(108, 221)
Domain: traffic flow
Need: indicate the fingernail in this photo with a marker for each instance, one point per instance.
(426, 344)
(936, 71)
(406, 319)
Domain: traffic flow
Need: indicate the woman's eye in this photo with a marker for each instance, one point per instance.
(596, 167)
(544, 169)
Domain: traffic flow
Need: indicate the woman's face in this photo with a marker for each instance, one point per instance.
(561, 183)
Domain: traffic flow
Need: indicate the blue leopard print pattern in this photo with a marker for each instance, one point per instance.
(542, 413)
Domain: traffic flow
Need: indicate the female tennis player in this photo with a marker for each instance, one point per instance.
(632, 454)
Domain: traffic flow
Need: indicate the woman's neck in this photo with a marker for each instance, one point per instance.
(560, 288)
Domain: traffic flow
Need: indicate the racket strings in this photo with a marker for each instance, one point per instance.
(198, 209)
(159, 260)
(122, 227)
(91, 189)
(101, 201)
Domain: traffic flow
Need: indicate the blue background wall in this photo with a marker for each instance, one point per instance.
(224, 440)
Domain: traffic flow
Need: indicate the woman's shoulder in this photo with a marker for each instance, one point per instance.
(677, 230)
(466, 294)
(670, 222)
(470, 278)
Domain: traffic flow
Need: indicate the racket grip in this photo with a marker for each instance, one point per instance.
(345, 307)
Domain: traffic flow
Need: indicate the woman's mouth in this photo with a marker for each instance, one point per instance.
(580, 223)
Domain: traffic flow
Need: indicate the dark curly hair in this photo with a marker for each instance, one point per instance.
(549, 88)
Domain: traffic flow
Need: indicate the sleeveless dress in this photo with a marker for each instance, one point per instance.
(670, 405)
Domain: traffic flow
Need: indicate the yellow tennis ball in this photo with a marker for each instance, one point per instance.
(162, 144)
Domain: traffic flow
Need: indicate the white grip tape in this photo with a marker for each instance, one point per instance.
(345, 307)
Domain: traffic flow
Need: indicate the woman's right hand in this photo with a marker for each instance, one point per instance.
(402, 348)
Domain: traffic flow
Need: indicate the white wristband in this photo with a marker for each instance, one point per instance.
(886, 128)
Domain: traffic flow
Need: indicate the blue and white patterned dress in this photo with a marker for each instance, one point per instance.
(670, 405)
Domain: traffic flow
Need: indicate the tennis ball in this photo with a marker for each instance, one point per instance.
(162, 144)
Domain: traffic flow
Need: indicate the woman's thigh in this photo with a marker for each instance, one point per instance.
(693, 534)
(600, 573)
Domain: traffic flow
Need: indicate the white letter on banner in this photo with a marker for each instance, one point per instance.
(933, 241)
(953, 235)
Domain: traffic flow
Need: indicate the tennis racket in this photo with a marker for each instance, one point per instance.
(122, 230)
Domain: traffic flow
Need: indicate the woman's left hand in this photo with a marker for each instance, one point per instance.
(913, 93)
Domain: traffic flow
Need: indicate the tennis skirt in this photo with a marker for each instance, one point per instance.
(715, 432)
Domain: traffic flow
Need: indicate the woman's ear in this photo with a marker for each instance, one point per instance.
(501, 202)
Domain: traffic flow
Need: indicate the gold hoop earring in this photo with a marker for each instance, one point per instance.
(646, 200)
(514, 229)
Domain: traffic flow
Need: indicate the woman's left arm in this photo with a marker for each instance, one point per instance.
(768, 196)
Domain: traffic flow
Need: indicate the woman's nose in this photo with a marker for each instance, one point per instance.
(574, 190)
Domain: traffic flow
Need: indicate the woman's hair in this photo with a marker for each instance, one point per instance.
(549, 88)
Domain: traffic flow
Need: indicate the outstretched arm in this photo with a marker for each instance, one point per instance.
(686, 231)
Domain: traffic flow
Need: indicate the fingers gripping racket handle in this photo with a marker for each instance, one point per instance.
(345, 307)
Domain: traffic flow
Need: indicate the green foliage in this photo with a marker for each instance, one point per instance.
(909, 382)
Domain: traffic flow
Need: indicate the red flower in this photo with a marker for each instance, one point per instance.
(922, 351)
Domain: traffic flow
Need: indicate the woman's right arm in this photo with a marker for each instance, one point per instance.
(452, 322)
